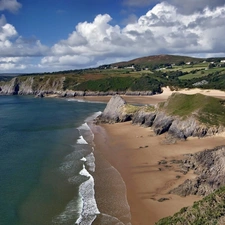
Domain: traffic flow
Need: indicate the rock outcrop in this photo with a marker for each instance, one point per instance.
(32, 86)
(113, 112)
(143, 118)
(209, 166)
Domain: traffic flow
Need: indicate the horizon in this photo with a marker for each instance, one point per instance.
(49, 36)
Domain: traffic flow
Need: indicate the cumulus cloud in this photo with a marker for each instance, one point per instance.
(186, 7)
(163, 29)
(15, 50)
(10, 5)
(13, 45)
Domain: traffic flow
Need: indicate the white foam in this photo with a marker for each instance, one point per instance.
(83, 159)
(82, 100)
(84, 126)
(90, 162)
(81, 141)
(86, 190)
(69, 214)
(93, 116)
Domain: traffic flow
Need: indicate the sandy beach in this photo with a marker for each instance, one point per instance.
(139, 155)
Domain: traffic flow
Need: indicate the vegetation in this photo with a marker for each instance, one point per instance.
(130, 109)
(209, 211)
(107, 84)
(208, 110)
(142, 74)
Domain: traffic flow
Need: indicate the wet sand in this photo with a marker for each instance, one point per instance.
(136, 152)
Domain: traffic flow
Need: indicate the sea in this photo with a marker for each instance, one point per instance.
(50, 171)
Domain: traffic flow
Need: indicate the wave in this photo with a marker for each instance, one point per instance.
(76, 167)
(86, 190)
(82, 141)
(83, 100)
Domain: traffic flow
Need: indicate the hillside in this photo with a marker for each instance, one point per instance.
(142, 76)
(159, 60)
(208, 110)
(208, 211)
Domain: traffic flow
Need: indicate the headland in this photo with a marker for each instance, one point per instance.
(151, 167)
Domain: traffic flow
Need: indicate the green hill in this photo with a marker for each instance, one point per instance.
(208, 110)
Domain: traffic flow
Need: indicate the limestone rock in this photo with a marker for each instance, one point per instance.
(162, 123)
(183, 129)
(144, 118)
(113, 112)
(209, 166)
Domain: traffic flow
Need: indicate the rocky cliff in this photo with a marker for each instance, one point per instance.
(49, 84)
(209, 166)
(161, 120)
(32, 86)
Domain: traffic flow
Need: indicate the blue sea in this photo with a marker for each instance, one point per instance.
(47, 164)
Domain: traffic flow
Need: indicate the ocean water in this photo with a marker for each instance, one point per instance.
(46, 156)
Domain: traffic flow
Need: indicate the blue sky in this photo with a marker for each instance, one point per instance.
(53, 35)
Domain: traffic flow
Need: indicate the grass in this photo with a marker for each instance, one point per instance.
(130, 109)
(207, 211)
(193, 75)
(208, 110)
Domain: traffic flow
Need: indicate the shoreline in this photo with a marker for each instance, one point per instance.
(136, 152)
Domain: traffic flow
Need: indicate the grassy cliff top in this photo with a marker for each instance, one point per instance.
(208, 211)
(206, 109)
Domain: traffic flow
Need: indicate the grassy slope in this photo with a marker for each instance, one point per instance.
(158, 59)
(106, 79)
(208, 211)
(208, 110)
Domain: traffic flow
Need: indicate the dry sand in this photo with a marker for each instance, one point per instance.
(153, 99)
(136, 152)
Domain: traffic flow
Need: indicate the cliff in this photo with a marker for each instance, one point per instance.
(58, 84)
(181, 116)
(32, 86)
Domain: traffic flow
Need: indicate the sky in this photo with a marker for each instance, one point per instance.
(56, 35)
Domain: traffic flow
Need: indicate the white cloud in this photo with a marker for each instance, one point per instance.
(163, 29)
(10, 5)
(13, 45)
(185, 7)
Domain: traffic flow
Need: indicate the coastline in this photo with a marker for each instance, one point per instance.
(136, 152)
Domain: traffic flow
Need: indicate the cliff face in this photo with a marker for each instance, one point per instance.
(160, 121)
(31, 86)
(41, 85)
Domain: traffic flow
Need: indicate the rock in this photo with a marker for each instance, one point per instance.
(182, 129)
(40, 95)
(162, 123)
(209, 166)
(144, 118)
(113, 112)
